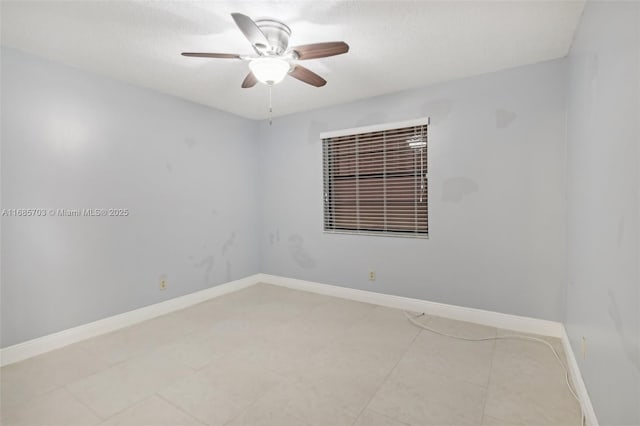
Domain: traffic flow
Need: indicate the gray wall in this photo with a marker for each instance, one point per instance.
(75, 140)
(496, 203)
(603, 207)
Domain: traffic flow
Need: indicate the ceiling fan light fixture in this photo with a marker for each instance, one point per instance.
(269, 71)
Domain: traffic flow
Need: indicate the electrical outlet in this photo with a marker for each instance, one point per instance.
(583, 347)
(163, 284)
(372, 275)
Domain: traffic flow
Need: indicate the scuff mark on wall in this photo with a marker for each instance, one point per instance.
(299, 254)
(455, 189)
(504, 118)
(214, 212)
(438, 111)
(190, 142)
(228, 267)
(227, 244)
(169, 167)
(207, 263)
(274, 237)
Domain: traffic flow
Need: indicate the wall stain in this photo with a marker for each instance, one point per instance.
(228, 267)
(315, 128)
(190, 142)
(455, 189)
(214, 212)
(169, 167)
(504, 118)
(298, 253)
(438, 111)
(227, 244)
(274, 237)
(206, 263)
(630, 349)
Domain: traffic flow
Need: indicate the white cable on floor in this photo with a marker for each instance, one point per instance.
(412, 319)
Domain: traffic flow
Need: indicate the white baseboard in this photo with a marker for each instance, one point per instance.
(478, 316)
(57, 340)
(40, 345)
(578, 384)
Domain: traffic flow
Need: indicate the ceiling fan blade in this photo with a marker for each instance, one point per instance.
(307, 76)
(249, 81)
(321, 50)
(251, 31)
(211, 55)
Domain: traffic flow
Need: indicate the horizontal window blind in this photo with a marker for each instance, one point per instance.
(376, 182)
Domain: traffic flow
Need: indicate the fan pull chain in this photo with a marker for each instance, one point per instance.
(270, 108)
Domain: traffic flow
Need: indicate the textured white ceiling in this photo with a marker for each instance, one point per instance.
(395, 45)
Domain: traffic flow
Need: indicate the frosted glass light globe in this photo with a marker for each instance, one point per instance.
(269, 71)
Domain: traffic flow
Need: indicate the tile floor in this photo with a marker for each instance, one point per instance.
(268, 355)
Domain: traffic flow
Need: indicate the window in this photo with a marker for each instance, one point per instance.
(375, 180)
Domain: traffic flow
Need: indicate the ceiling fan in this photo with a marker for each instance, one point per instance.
(274, 60)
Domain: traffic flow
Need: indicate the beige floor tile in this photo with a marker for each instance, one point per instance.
(260, 291)
(492, 421)
(207, 311)
(221, 391)
(120, 345)
(289, 346)
(371, 418)
(519, 405)
(525, 362)
(58, 407)
(256, 297)
(111, 391)
(418, 396)
(263, 313)
(527, 385)
(554, 341)
(35, 376)
(153, 411)
(339, 312)
(201, 349)
(382, 327)
(307, 299)
(380, 338)
(458, 359)
(284, 357)
(292, 404)
(458, 328)
(348, 375)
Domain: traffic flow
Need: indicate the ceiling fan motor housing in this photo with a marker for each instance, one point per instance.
(276, 33)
